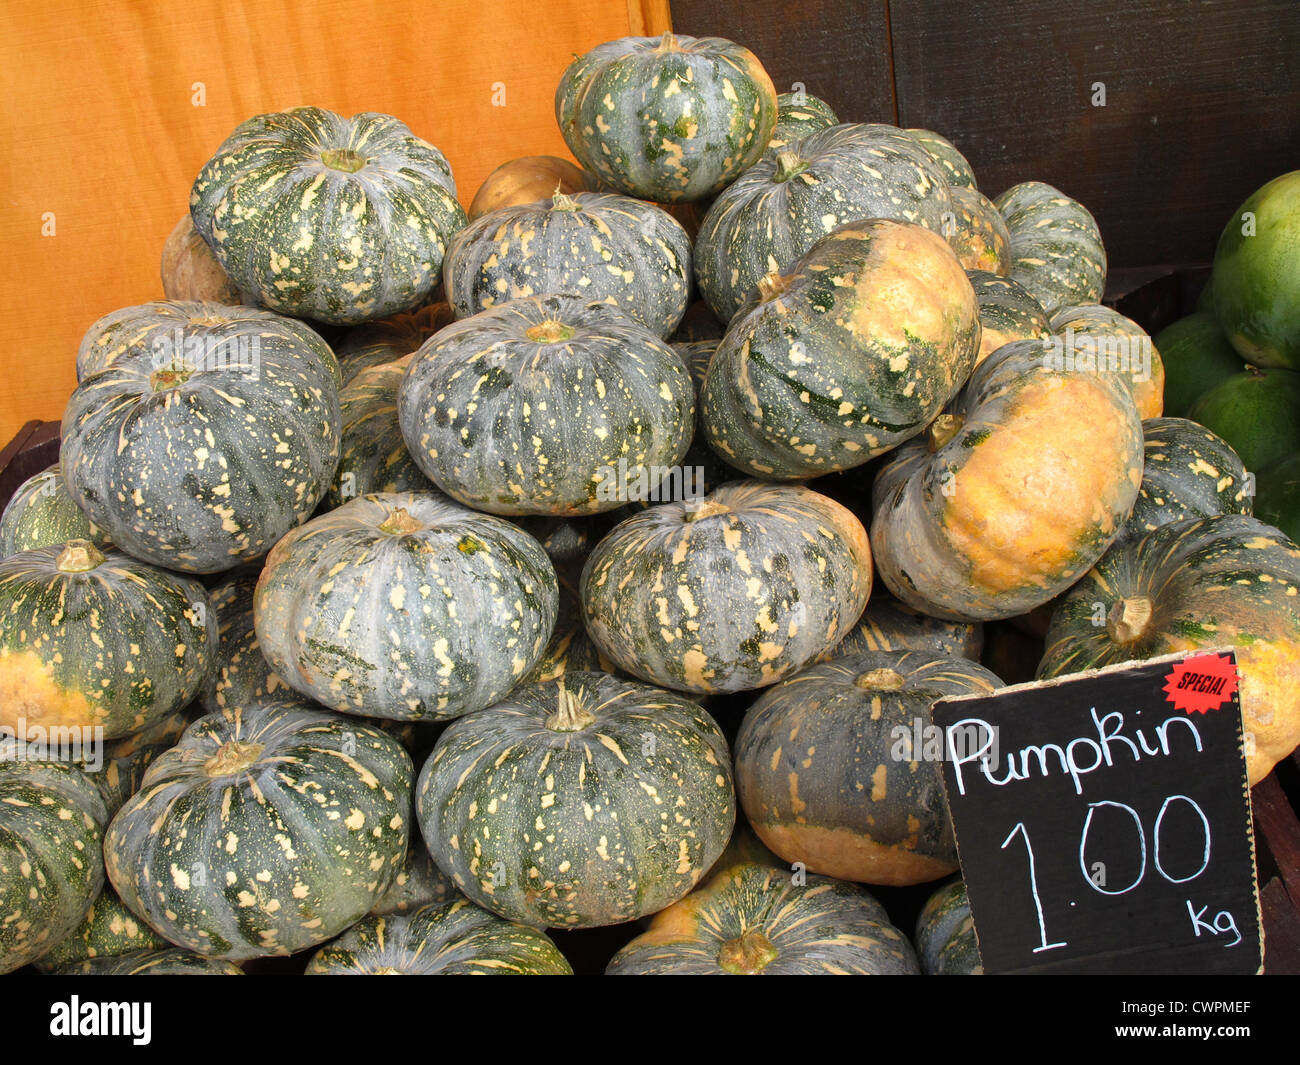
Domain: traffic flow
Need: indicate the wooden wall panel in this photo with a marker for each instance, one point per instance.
(101, 130)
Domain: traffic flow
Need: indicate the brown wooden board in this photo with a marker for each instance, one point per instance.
(35, 447)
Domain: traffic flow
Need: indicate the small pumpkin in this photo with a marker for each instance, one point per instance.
(240, 672)
(42, 513)
(977, 232)
(190, 271)
(797, 115)
(526, 180)
(1056, 248)
(1007, 312)
(419, 882)
(1117, 342)
(126, 760)
(945, 934)
(454, 938)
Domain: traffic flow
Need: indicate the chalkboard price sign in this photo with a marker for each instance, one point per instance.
(1103, 821)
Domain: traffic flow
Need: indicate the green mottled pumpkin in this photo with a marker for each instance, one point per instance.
(853, 351)
(42, 513)
(888, 625)
(545, 405)
(1187, 472)
(127, 759)
(613, 249)
(571, 649)
(1013, 494)
(1118, 342)
(1056, 249)
(240, 672)
(753, 919)
(945, 934)
(51, 866)
(728, 593)
(455, 938)
(955, 167)
(266, 830)
(825, 779)
(783, 205)
(108, 930)
(98, 640)
(581, 802)
(200, 439)
(667, 119)
(419, 882)
(1007, 312)
(978, 233)
(405, 606)
(343, 220)
(799, 114)
(1197, 585)
(389, 339)
(171, 961)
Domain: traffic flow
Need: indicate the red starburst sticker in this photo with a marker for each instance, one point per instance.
(1201, 684)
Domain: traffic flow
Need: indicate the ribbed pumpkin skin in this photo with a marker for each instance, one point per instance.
(203, 469)
(1124, 337)
(373, 455)
(189, 270)
(888, 625)
(857, 349)
(571, 649)
(265, 830)
(108, 930)
(732, 593)
(578, 803)
(240, 672)
(126, 760)
(526, 180)
(1056, 249)
(797, 116)
(389, 339)
(1007, 312)
(784, 204)
(1030, 490)
(667, 118)
(825, 928)
(439, 617)
(51, 866)
(604, 248)
(1188, 472)
(42, 513)
(978, 233)
(820, 779)
(536, 406)
(98, 640)
(955, 167)
(419, 882)
(1218, 582)
(167, 962)
(453, 939)
(315, 240)
(945, 934)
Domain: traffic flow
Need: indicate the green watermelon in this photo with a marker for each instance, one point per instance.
(1257, 412)
(1197, 356)
(1277, 495)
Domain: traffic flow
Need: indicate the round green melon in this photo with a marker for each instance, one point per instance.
(1197, 356)
(1256, 411)
(41, 513)
(1277, 495)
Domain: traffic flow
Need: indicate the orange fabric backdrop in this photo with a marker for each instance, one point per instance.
(110, 109)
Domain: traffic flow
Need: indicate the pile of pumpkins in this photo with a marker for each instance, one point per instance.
(435, 580)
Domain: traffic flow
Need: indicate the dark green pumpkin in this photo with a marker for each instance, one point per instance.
(667, 119)
(42, 513)
(834, 767)
(954, 165)
(1056, 249)
(799, 114)
(631, 254)
(127, 759)
(454, 938)
(888, 625)
(729, 593)
(171, 961)
(419, 882)
(108, 930)
(783, 205)
(853, 351)
(546, 405)
(51, 866)
(240, 673)
(586, 801)
(343, 220)
(754, 919)
(266, 830)
(1007, 312)
(945, 934)
(94, 640)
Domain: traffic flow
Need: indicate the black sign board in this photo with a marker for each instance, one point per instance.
(1103, 821)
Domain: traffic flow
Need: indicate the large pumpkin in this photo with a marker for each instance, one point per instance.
(614, 249)
(405, 606)
(41, 513)
(1056, 249)
(833, 768)
(852, 352)
(1013, 494)
(267, 829)
(753, 919)
(344, 220)
(784, 204)
(729, 593)
(1217, 582)
(201, 434)
(585, 801)
(667, 119)
(546, 405)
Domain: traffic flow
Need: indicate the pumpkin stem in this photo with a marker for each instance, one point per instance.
(943, 429)
(1128, 618)
(708, 509)
(788, 164)
(344, 159)
(885, 680)
(667, 43)
(570, 715)
(550, 332)
(563, 202)
(399, 523)
(78, 556)
(771, 285)
(232, 757)
(748, 954)
(169, 377)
